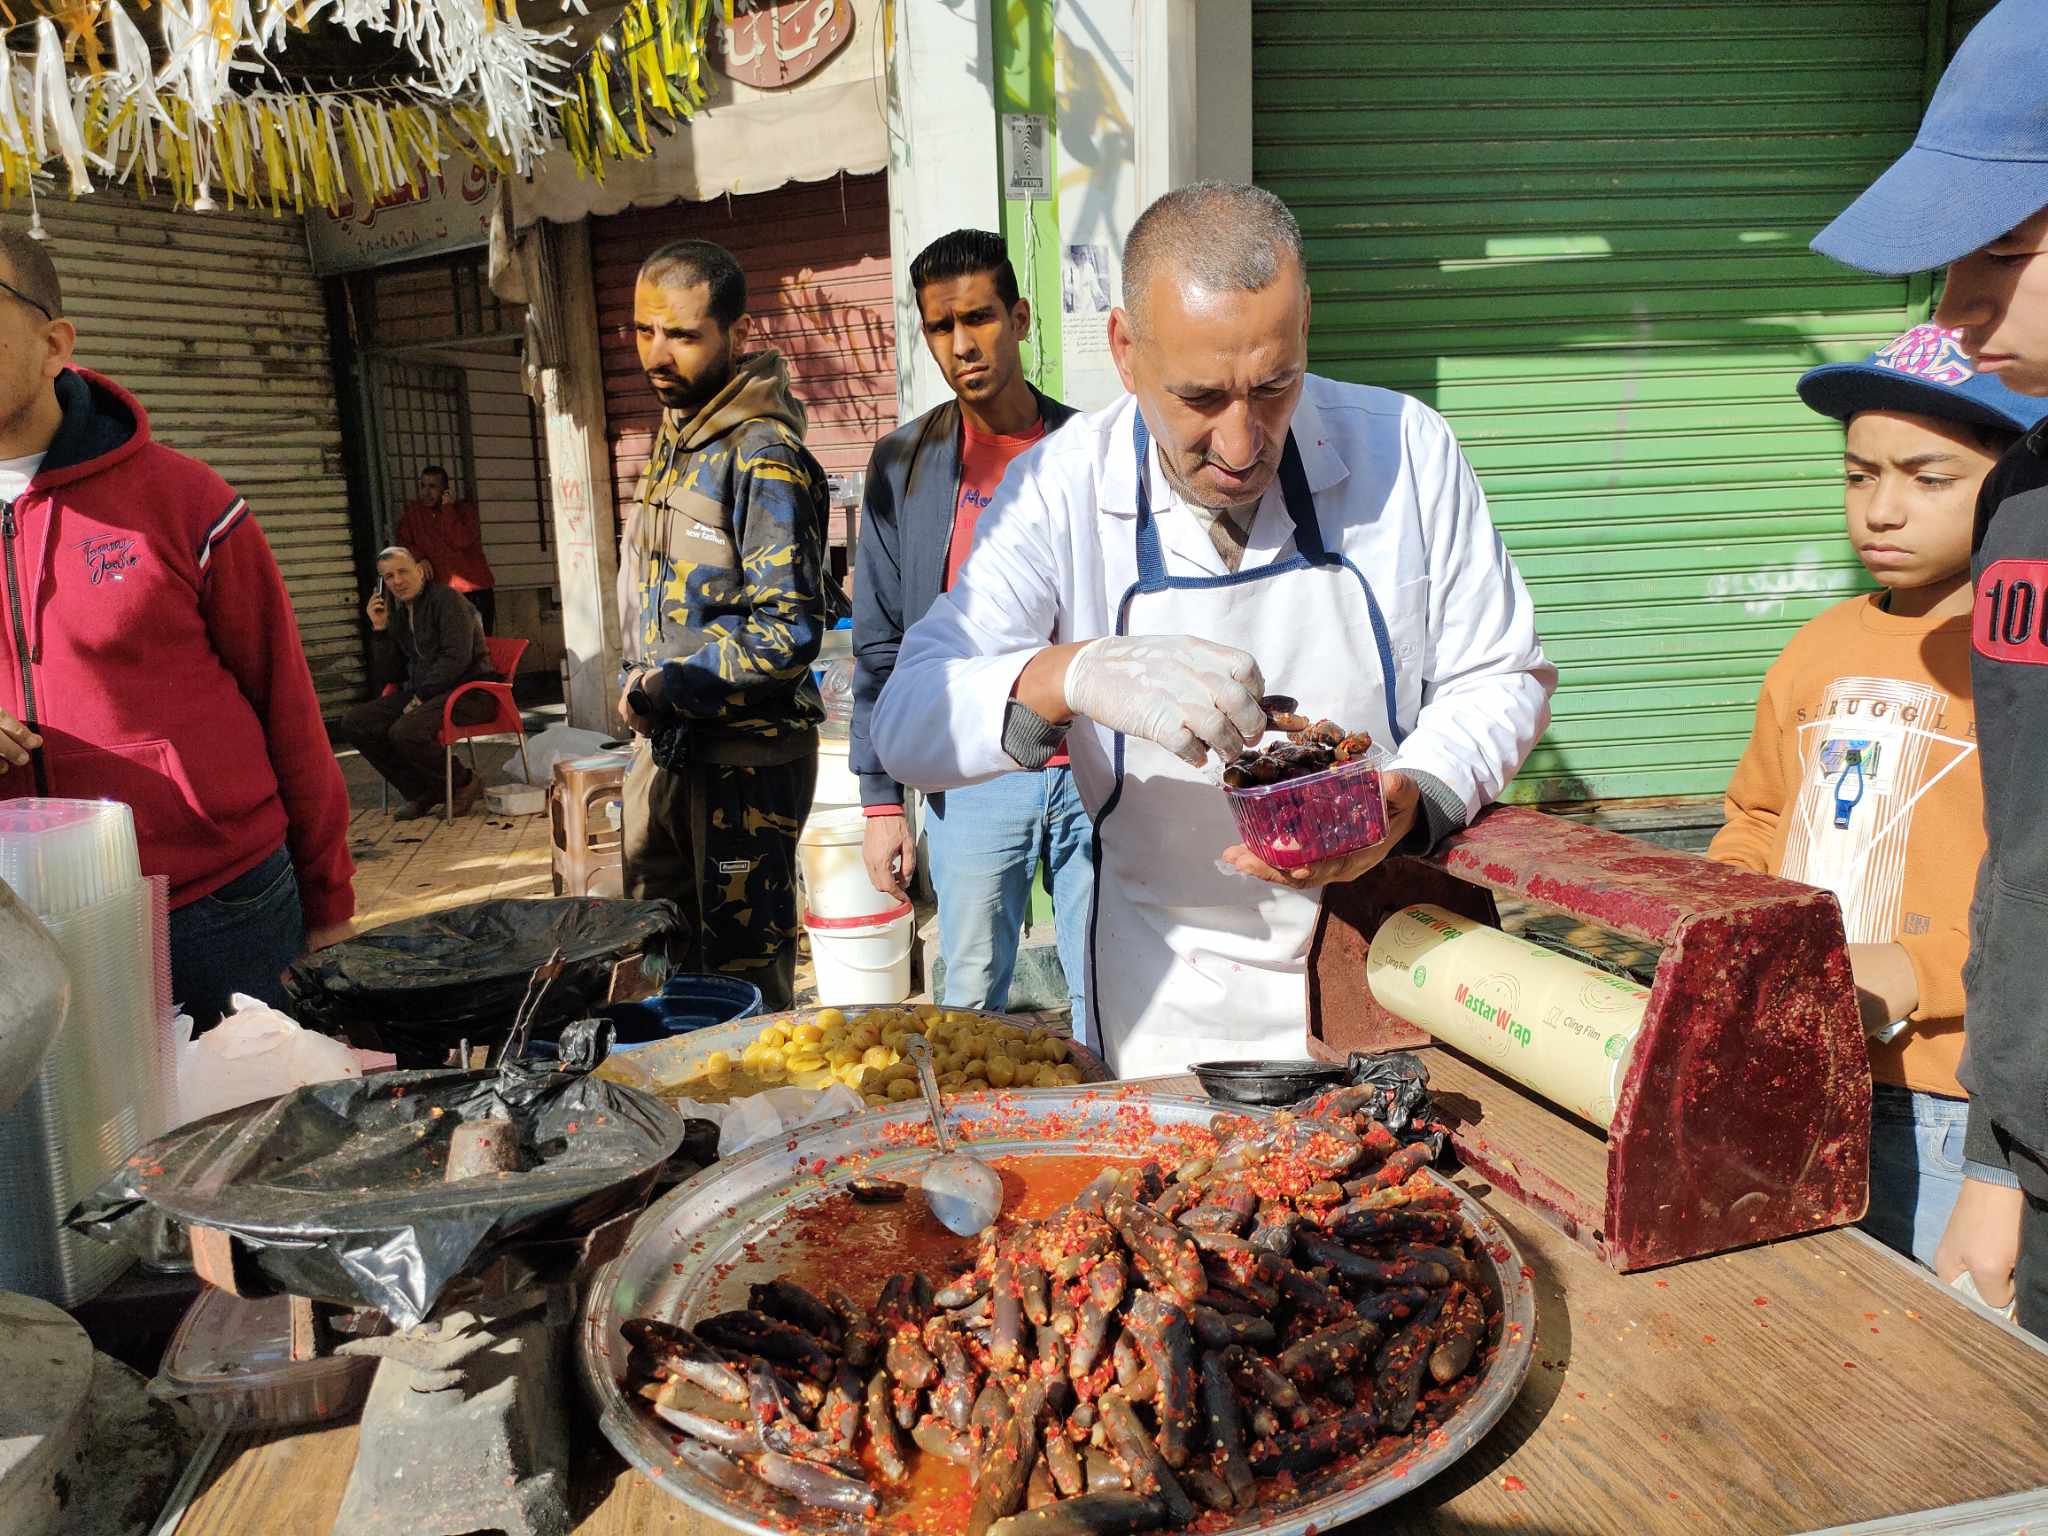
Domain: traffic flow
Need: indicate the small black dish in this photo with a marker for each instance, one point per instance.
(1268, 1082)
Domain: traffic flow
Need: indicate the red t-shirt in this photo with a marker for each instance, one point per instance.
(983, 458)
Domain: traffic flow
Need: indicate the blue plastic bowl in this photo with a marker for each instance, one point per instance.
(686, 1004)
(720, 999)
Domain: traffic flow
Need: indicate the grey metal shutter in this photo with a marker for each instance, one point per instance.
(216, 323)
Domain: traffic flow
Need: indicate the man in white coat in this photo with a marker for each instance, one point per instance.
(1232, 525)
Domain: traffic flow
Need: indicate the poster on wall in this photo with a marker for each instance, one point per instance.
(1084, 306)
(452, 212)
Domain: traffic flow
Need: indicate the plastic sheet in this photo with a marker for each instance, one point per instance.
(419, 986)
(336, 1191)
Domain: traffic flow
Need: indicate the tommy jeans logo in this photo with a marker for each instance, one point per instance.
(109, 557)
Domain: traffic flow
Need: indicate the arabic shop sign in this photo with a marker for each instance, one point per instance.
(778, 42)
(452, 212)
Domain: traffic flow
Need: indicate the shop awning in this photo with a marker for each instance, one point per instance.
(741, 139)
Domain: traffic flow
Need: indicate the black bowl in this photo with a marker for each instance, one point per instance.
(1268, 1082)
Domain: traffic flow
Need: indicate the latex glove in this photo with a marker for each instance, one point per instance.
(1191, 696)
(888, 847)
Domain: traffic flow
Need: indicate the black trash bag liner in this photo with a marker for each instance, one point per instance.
(422, 985)
(336, 1190)
(1402, 1104)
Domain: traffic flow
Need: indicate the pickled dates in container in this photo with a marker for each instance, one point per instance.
(1297, 822)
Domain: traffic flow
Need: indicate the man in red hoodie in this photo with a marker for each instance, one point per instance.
(447, 532)
(148, 655)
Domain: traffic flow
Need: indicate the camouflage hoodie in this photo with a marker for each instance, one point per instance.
(721, 569)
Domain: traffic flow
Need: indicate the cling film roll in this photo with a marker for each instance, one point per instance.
(1563, 1028)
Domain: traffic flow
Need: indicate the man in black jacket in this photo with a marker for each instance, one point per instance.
(1972, 195)
(431, 646)
(927, 485)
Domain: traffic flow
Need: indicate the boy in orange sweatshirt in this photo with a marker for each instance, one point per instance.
(1861, 776)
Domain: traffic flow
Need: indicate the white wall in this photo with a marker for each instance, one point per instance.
(942, 160)
(1152, 94)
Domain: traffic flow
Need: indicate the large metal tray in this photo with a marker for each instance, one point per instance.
(684, 1246)
(662, 1066)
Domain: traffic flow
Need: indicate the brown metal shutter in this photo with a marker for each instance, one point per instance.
(816, 256)
(216, 323)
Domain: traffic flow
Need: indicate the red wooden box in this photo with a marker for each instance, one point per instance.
(1745, 1115)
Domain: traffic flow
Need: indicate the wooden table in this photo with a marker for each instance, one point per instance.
(1801, 1385)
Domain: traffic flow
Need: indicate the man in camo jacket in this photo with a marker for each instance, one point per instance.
(722, 598)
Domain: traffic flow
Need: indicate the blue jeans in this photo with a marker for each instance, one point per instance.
(1917, 1168)
(239, 939)
(985, 843)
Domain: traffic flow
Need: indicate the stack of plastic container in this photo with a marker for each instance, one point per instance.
(100, 1094)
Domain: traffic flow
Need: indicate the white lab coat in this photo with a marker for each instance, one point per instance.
(1055, 555)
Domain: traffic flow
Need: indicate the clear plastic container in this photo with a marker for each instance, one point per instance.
(231, 1361)
(835, 687)
(1317, 816)
(60, 856)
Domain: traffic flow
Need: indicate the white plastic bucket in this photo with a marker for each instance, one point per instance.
(838, 787)
(828, 855)
(862, 960)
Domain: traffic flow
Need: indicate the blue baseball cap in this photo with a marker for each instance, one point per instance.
(1927, 373)
(1977, 168)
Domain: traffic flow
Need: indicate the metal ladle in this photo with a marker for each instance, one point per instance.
(962, 1191)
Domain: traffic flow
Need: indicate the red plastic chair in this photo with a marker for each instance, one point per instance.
(505, 654)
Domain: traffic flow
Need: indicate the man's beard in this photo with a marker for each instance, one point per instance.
(692, 395)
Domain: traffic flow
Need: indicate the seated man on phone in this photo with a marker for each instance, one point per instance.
(428, 647)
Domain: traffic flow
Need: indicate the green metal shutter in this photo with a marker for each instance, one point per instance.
(1580, 232)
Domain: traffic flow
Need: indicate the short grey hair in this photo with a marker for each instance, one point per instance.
(393, 551)
(1228, 237)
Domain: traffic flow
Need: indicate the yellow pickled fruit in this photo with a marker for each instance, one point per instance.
(774, 1034)
(894, 1038)
(718, 1081)
(1002, 1071)
(878, 1056)
(849, 1073)
(829, 1018)
(900, 1089)
(1068, 1074)
(718, 1061)
(951, 1080)
(841, 1056)
(927, 1015)
(808, 1061)
(806, 1034)
(864, 1036)
(974, 1047)
(756, 1053)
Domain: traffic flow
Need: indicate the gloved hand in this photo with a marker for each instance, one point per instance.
(1191, 696)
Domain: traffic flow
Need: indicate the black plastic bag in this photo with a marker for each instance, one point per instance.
(420, 986)
(1403, 1103)
(336, 1190)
